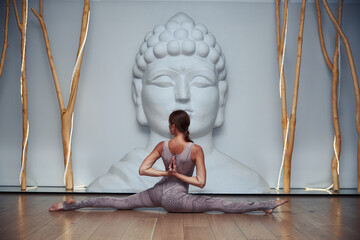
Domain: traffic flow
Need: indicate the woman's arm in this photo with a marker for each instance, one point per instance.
(146, 167)
(200, 179)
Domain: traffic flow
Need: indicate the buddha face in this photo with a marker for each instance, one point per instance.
(186, 83)
(179, 66)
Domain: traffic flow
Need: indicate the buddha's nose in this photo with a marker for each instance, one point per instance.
(182, 91)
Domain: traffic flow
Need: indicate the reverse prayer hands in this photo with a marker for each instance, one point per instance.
(172, 166)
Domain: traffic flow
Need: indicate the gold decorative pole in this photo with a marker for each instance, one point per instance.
(23, 89)
(355, 83)
(6, 25)
(68, 112)
(290, 145)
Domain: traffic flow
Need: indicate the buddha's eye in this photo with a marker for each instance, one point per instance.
(201, 82)
(162, 81)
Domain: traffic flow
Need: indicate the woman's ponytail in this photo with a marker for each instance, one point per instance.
(187, 136)
(182, 121)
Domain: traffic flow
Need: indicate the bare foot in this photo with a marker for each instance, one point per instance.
(59, 206)
(277, 203)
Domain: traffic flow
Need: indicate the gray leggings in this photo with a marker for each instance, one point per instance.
(172, 200)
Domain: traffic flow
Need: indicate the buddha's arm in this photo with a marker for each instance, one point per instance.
(146, 167)
(200, 179)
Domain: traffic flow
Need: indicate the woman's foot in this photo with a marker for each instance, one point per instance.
(276, 203)
(59, 206)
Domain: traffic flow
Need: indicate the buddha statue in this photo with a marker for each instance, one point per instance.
(180, 66)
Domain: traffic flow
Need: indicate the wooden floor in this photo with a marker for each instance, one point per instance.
(26, 216)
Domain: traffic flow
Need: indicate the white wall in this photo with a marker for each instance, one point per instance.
(105, 127)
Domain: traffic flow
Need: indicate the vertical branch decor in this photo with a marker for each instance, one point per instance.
(6, 26)
(323, 47)
(334, 97)
(290, 144)
(23, 89)
(67, 113)
(280, 43)
(355, 83)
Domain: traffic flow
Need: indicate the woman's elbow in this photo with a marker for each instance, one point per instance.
(141, 171)
(202, 185)
(200, 182)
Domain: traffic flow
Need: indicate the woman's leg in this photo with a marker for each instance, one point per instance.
(182, 202)
(201, 203)
(138, 200)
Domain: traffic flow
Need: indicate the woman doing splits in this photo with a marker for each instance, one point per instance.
(180, 155)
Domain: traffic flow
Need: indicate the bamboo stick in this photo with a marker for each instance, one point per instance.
(280, 42)
(334, 101)
(277, 15)
(283, 25)
(22, 25)
(334, 98)
(337, 140)
(323, 47)
(6, 27)
(80, 53)
(355, 83)
(290, 145)
(67, 113)
(17, 16)
(51, 59)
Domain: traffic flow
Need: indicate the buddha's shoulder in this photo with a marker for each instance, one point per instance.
(224, 158)
(231, 166)
(136, 154)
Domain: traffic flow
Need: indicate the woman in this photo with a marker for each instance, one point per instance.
(180, 155)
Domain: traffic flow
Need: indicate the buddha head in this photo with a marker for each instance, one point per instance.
(180, 66)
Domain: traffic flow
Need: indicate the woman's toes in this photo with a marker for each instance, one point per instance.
(56, 207)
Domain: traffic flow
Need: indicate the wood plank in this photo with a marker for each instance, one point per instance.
(140, 228)
(24, 226)
(20, 204)
(281, 228)
(6, 198)
(68, 218)
(48, 232)
(114, 226)
(198, 233)
(169, 226)
(224, 227)
(195, 219)
(55, 228)
(26, 216)
(318, 211)
(343, 232)
(327, 213)
(86, 226)
(252, 226)
(300, 223)
(40, 206)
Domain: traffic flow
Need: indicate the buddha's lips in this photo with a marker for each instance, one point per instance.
(189, 111)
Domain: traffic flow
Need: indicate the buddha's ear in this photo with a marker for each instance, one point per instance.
(223, 87)
(136, 95)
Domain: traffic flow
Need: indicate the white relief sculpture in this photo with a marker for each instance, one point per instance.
(180, 66)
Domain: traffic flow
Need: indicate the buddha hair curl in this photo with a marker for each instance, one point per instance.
(179, 36)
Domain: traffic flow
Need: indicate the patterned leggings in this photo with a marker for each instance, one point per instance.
(174, 199)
